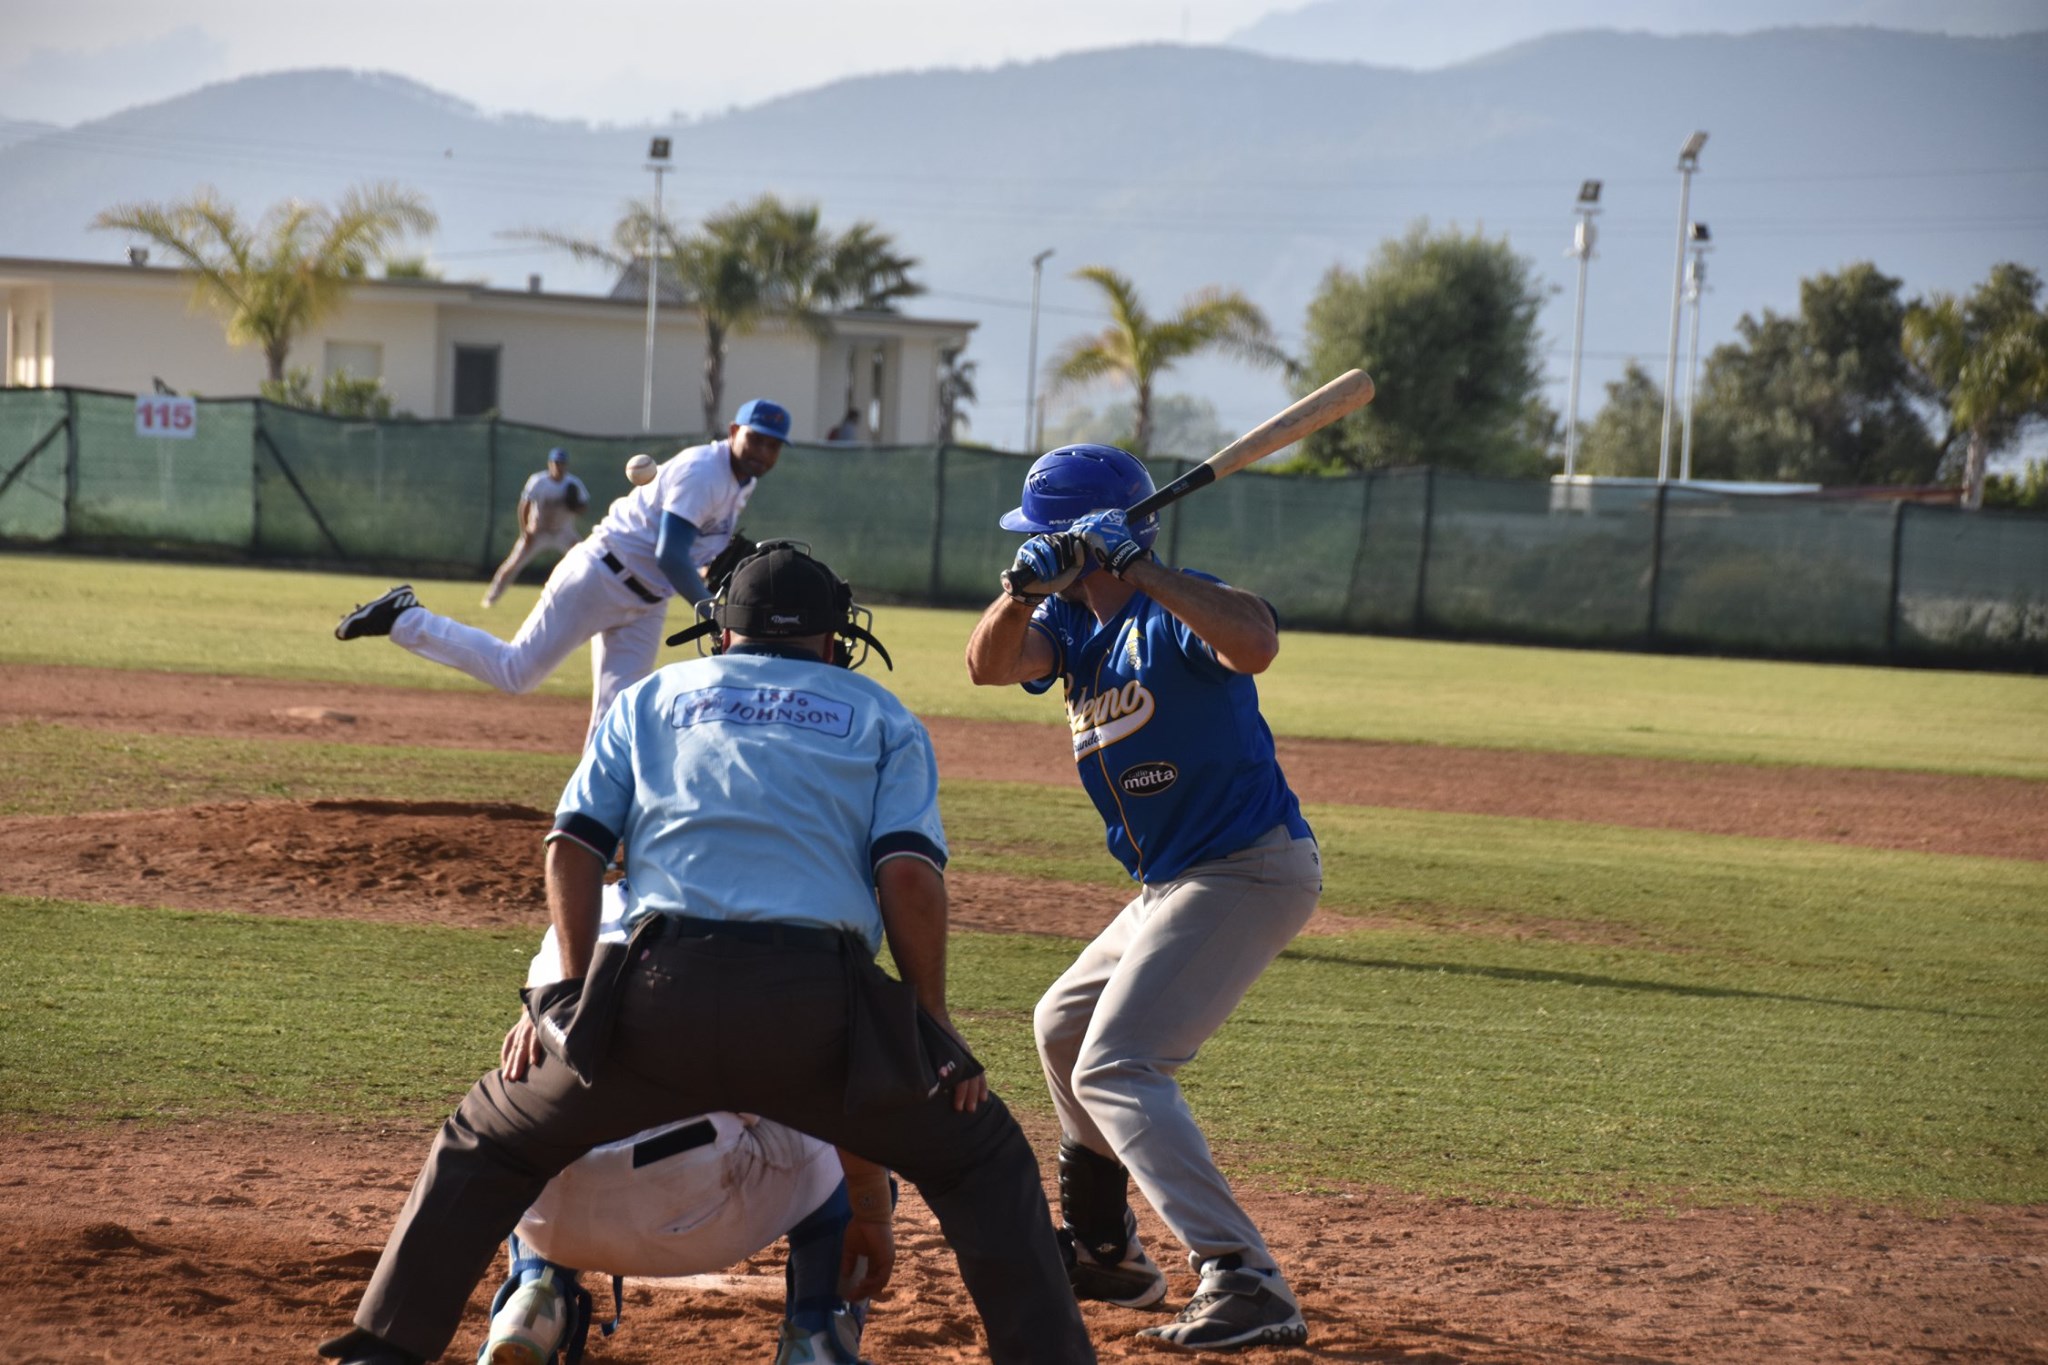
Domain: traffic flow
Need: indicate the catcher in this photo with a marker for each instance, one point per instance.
(548, 508)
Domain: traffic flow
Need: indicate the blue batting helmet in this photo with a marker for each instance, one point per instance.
(1073, 481)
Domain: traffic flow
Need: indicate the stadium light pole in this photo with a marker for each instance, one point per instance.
(1582, 247)
(1031, 359)
(1688, 162)
(1695, 285)
(657, 161)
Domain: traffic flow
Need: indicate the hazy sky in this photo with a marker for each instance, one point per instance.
(615, 61)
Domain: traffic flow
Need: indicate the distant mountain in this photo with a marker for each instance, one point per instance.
(1191, 166)
(1402, 33)
(13, 130)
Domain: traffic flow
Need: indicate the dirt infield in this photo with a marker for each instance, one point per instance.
(248, 1242)
(1924, 812)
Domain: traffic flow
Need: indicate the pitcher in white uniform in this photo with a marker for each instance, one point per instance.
(613, 587)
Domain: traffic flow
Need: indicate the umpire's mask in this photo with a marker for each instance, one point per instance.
(781, 592)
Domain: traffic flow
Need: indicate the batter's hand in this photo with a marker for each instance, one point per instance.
(1110, 538)
(520, 1051)
(1053, 561)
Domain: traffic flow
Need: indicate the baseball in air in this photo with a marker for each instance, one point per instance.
(641, 469)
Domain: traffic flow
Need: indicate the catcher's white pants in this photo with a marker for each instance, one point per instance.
(1140, 1001)
(692, 1213)
(530, 543)
(583, 600)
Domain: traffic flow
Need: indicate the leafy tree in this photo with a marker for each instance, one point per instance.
(410, 268)
(1622, 439)
(1824, 397)
(1446, 325)
(276, 277)
(749, 262)
(1181, 425)
(342, 395)
(1985, 358)
(2026, 491)
(1137, 349)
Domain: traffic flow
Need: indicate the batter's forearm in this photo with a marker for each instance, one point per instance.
(997, 651)
(1236, 624)
(575, 878)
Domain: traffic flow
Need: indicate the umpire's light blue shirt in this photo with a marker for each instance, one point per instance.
(760, 784)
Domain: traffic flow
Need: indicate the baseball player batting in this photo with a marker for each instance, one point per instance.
(613, 587)
(1157, 668)
(548, 507)
(689, 1198)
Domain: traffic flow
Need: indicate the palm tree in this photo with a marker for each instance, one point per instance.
(1138, 350)
(956, 386)
(747, 263)
(282, 274)
(1986, 359)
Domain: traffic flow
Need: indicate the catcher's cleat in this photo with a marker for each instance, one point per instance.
(1134, 1280)
(375, 618)
(1233, 1309)
(528, 1326)
(838, 1344)
(358, 1347)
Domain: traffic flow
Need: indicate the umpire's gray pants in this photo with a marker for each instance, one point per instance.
(1140, 1001)
(709, 1024)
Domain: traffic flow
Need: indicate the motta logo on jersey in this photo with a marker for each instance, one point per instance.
(1149, 778)
(1101, 720)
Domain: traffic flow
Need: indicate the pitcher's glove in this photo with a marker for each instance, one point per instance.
(721, 566)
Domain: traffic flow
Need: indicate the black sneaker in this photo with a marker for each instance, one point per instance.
(375, 618)
(1135, 1281)
(1233, 1309)
(358, 1347)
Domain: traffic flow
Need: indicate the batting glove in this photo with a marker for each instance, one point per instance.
(1050, 562)
(1110, 538)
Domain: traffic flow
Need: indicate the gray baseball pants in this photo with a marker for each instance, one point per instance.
(1140, 1001)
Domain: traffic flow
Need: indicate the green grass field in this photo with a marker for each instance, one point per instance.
(1527, 1009)
(203, 619)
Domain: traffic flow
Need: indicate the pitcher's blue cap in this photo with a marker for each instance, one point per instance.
(770, 419)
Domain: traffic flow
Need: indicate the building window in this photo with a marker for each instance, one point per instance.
(476, 380)
(357, 359)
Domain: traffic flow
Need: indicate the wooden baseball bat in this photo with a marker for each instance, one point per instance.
(1341, 397)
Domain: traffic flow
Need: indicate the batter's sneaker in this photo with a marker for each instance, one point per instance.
(1233, 1309)
(838, 1344)
(1132, 1281)
(529, 1326)
(375, 618)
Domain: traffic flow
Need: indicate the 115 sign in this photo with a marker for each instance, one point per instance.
(158, 415)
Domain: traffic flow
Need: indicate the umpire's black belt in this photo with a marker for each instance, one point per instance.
(640, 590)
(767, 933)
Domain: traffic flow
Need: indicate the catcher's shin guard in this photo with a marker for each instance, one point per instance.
(1094, 1200)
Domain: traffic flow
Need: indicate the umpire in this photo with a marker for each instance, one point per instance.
(780, 816)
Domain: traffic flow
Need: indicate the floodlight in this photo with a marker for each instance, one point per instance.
(1689, 154)
(1589, 191)
(657, 150)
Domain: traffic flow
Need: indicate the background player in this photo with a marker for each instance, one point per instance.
(613, 587)
(690, 1198)
(1157, 669)
(548, 508)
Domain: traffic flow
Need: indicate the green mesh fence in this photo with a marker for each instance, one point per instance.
(1406, 550)
(33, 457)
(1972, 586)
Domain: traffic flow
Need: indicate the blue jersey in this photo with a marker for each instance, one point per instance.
(1170, 743)
(759, 784)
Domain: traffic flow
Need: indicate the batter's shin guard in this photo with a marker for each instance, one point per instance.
(1095, 1201)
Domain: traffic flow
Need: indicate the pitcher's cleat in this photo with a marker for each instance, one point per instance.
(375, 618)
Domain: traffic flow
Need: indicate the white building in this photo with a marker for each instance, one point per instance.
(574, 362)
